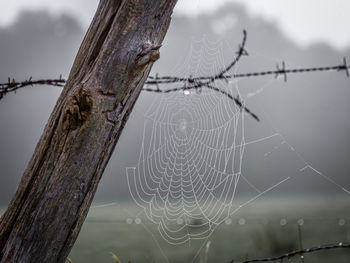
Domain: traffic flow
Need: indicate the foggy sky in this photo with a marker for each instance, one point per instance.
(306, 22)
(310, 111)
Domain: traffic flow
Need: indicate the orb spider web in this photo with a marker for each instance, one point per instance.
(191, 157)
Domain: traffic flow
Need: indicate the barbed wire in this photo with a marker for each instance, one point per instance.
(277, 72)
(300, 252)
(194, 83)
(12, 85)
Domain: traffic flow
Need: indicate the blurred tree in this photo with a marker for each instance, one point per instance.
(44, 218)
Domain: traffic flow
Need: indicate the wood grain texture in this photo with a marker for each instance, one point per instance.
(52, 200)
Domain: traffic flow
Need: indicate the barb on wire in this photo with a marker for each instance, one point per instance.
(346, 67)
(281, 71)
(300, 252)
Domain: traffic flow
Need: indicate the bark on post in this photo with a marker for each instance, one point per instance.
(44, 218)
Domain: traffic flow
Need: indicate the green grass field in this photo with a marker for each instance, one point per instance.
(254, 231)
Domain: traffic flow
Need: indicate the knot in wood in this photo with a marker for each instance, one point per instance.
(149, 53)
(78, 109)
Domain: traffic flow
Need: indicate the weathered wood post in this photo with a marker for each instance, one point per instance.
(44, 218)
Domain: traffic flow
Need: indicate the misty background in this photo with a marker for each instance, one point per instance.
(310, 110)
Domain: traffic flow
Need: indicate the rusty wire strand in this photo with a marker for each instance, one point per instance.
(300, 252)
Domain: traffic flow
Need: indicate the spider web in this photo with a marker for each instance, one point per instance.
(191, 156)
